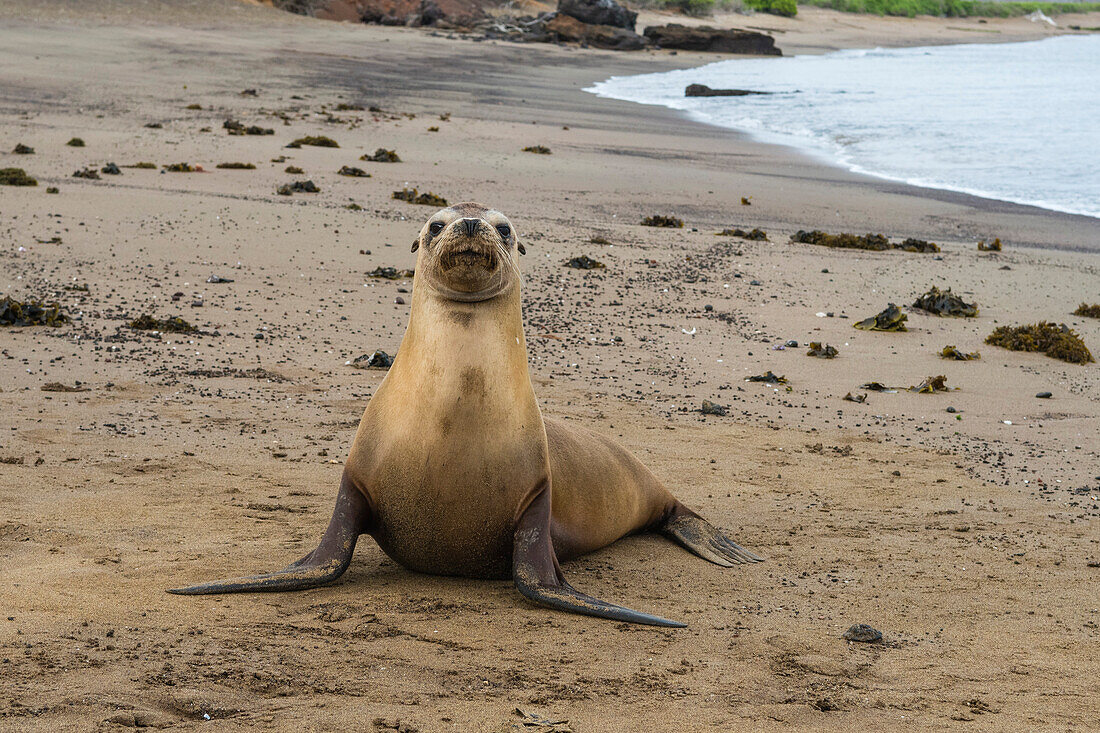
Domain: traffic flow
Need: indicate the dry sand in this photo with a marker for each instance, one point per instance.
(969, 542)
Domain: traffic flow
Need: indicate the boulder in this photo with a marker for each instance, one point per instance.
(598, 12)
(702, 90)
(716, 40)
(567, 28)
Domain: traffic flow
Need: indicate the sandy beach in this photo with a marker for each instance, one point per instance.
(968, 537)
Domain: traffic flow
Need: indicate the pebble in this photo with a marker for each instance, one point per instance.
(708, 307)
(1044, 395)
(755, 282)
(952, 410)
(399, 300)
(792, 344)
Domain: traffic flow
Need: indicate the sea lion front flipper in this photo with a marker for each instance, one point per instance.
(538, 576)
(326, 563)
(696, 534)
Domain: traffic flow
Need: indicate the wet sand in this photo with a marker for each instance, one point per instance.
(971, 543)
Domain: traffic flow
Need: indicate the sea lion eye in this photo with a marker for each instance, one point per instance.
(504, 230)
(435, 228)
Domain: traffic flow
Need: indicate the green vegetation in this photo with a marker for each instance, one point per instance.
(951, 8)
(786, 8)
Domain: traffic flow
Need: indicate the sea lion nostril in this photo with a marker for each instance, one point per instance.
(470, 226)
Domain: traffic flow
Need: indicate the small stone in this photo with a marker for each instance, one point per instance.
(708, 307)
(1044, 395)
(792, 344)
(952, 410)
(399, 300)
(755, 282)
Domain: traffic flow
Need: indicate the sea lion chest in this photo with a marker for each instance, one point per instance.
(448, 453)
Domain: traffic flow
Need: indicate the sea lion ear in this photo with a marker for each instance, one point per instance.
(416, 245)
(519, 246)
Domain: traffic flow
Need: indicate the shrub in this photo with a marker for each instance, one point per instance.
(786, 8)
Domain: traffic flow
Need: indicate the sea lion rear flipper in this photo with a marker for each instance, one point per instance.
(688, 529)
(538, 576)
(323, 565)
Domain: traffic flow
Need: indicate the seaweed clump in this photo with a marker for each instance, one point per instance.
(317, 141)
(294, 170)
(236, 128)
(75, 142)
(891, 319)
(932, 385)
(16, 177)
(1088, 311)
(713, 408)
(537, 149)
(146, 165)
(657, 220)
(945, 303)
(352, 171)
(21, 149)
(89, 173)
(873, 242)
(172, 324)
(182, 168)
(30, 313)
(381, 156)
(994, 246)
(237, 166)
(950, 352)
(584, 262)
(390, 273)
(1058, 341)
(755, 235)
(297, 187)
(413, 196)
(111, 169)
(768, 378)
(822, 351)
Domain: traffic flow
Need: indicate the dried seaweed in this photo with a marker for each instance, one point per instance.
(860, 398)
(994, 246)
(658, 220)
(756, 235)
(182, 168)
(236, 128)
(21, 149)
(822, 351)
(111, 169)
(876, 387)
(950, 352)
(891, 319)
(294, 170)
(768, 378)
(53, 189)
(945, 303)
(89, 173)
(597, 239)
(931, 385)
(381, 156)
(746, 201)
(75, 142)
(16, 177)
(345, 107)
(353, 172)
(317, 141)
(413, 196)
(537, 149)
(142, 164)
(172, 324)
(30, 313)
(1088, 311)
(1057, 341)
(237, 166)
(297, 187)
(713, 408)
(584, 262)
(872, 242)
(59, 387)
(390, 273)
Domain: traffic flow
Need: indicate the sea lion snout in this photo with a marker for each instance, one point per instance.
(469, 226)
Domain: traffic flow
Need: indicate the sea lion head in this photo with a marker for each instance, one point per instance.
(468, 253)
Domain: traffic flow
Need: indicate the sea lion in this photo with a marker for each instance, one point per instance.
(455, 471)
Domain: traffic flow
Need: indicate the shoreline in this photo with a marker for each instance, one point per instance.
(817, 150)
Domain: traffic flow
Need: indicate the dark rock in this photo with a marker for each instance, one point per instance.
(599, 12)
(702, 90)
(712, 408)
(374, 360)
(717, 40)
(569, 29)
(1044, 395)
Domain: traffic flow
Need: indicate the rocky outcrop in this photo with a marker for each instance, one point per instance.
(438, 13)
(716, 40)
(569, 29)
(702, 90)
(598, 12)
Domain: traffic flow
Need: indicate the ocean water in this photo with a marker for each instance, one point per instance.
(1013, 121)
